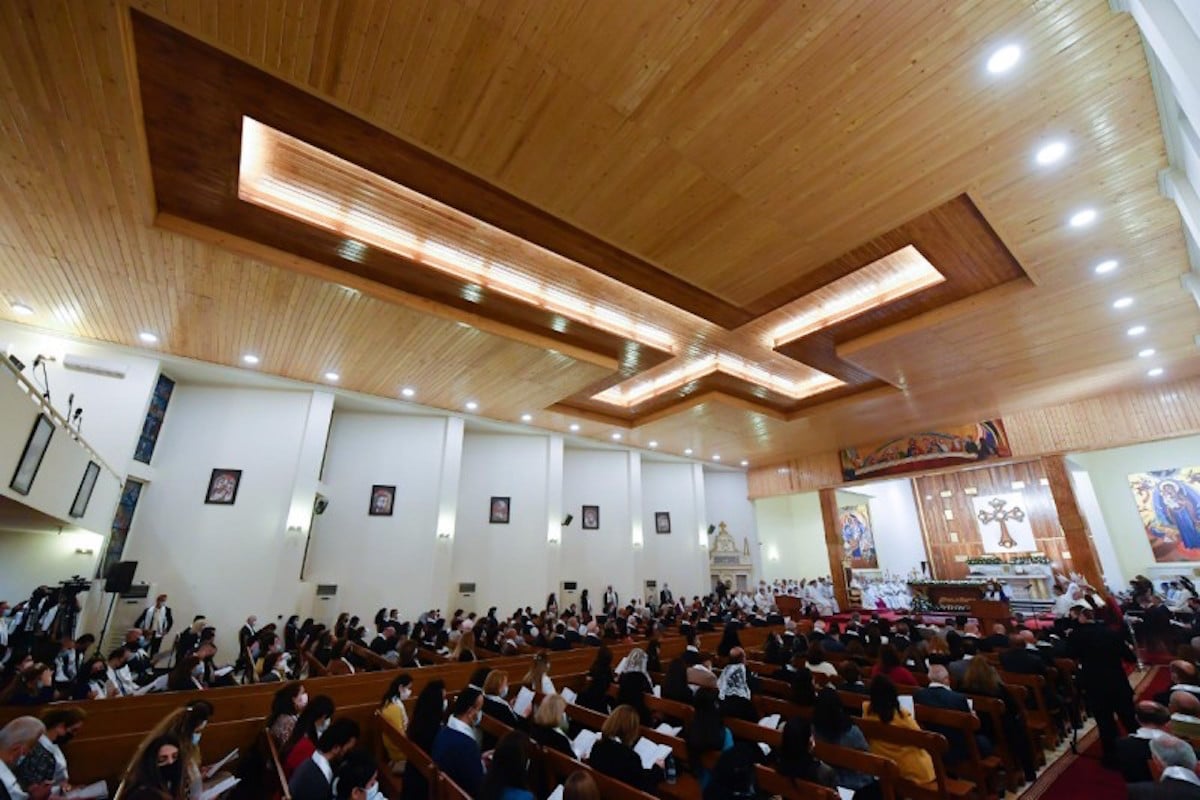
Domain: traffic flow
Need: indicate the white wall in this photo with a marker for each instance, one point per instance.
(224, 561)
(508, 563)
(597, 558)
(33, 558)
(379, 561)
(114, 409)
(726, 497)
(897, 525)
(677, 557)
(792, 535)
(1089, 506)
(1109, 472)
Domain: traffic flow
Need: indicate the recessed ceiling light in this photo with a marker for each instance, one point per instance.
(1136, 330)
(21, 310)
(687, 452)
(717, 457)
(574, 427)
(1149, 351)
(408, 391)
(616, 437)
(1082, 218)
(1123, 302)
(1004, 59)
(472, 405)
(653, 444)
(1105, 266)
(527, 418)
(1154, 373)
(147, 337)
(333, 377)
(745, 463)
(250, 359)
(1051, 152)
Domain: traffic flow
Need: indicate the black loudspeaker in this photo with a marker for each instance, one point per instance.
(319, 505)
(120, 576)
(711, 529)
(567, 520)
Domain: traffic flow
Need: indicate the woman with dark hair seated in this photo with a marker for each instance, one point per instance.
(889, 666)
(832, 725)
(393, 712)
(156, 767)
(795, 758)
(613, 754)
(706, 733)
(595, 694)
(508, 779)
(286, 707)
(981, 678)
(423, 726)
(914, 763)
(675, 683)
(311, 723)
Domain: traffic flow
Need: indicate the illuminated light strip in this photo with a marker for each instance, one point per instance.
(353, 220)
(892, 277)
(640, 392)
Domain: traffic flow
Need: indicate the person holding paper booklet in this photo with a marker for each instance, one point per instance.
(312, 722)
(913, 762)
(508, 777)
(45, 761)
(156, 768)
(496, 705)
(614, 753)
(538, 676)
(392, 711)
(795, 757)
(707, 732)
(423, 727)
(634, 683)
(550, 725)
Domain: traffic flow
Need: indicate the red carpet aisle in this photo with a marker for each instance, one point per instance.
(1073, 776)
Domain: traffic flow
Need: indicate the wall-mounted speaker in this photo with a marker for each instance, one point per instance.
(712, 529)
(567, 519)
(120, 576)
(320, 504)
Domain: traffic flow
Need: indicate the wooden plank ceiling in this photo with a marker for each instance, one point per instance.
(728, 151)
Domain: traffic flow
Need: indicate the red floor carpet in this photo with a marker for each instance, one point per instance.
(1079, 776)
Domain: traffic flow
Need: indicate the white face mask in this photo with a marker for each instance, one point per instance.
(478, 718)
(322, 727)
(405, 692)
(504, 691)
(445, 704)
(373, 793)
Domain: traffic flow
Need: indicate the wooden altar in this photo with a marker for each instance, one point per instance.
(990, 612)
(952, 594)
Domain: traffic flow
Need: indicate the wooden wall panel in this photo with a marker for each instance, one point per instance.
(944, 552)
(833, 543)
(1155, 412)
(1071, 519)
(797, 475)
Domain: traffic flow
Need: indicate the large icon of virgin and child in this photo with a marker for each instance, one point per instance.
(858, 540)
(1169, 504)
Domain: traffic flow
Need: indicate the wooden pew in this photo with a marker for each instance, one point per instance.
(943, 787)
(790, 788)
(413, 754)
(559, 767)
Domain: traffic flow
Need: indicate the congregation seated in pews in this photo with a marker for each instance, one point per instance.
(680, 700)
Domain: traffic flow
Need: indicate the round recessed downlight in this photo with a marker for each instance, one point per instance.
(1004, 59)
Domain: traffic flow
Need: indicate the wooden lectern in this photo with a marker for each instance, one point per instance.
(989, 612)
(789, 606)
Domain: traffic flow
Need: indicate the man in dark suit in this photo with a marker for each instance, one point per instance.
(1100, 653)
(248, 631)
(313, 780)
(559, 640)
(385, 642)
(938, 694)
(1178, 780)
(573, 635)
(997, 641)
(1133, 751)
(665, 598)
(455, 750)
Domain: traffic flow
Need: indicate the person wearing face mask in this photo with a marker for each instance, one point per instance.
(357, 779)
(286, 707)
(156, 621)
(275, 668)
(496, 705)
(45, 761)
(17, 739)
(313, 780)
(187, 726)
(550, 725)
(392, 711)
(156, 768)
(90, 685)
(120, 681)
(455, 749)
(312, 722)
(66, 665)
(187, 676)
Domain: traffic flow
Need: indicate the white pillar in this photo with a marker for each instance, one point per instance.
(449, 471)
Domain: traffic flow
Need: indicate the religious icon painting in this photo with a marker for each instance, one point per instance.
(223, 487)
(662, 521)
(591, 518)
(1004, 524)
(858, 540)
(498, 513)
(1168, 502)
(383, 500)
